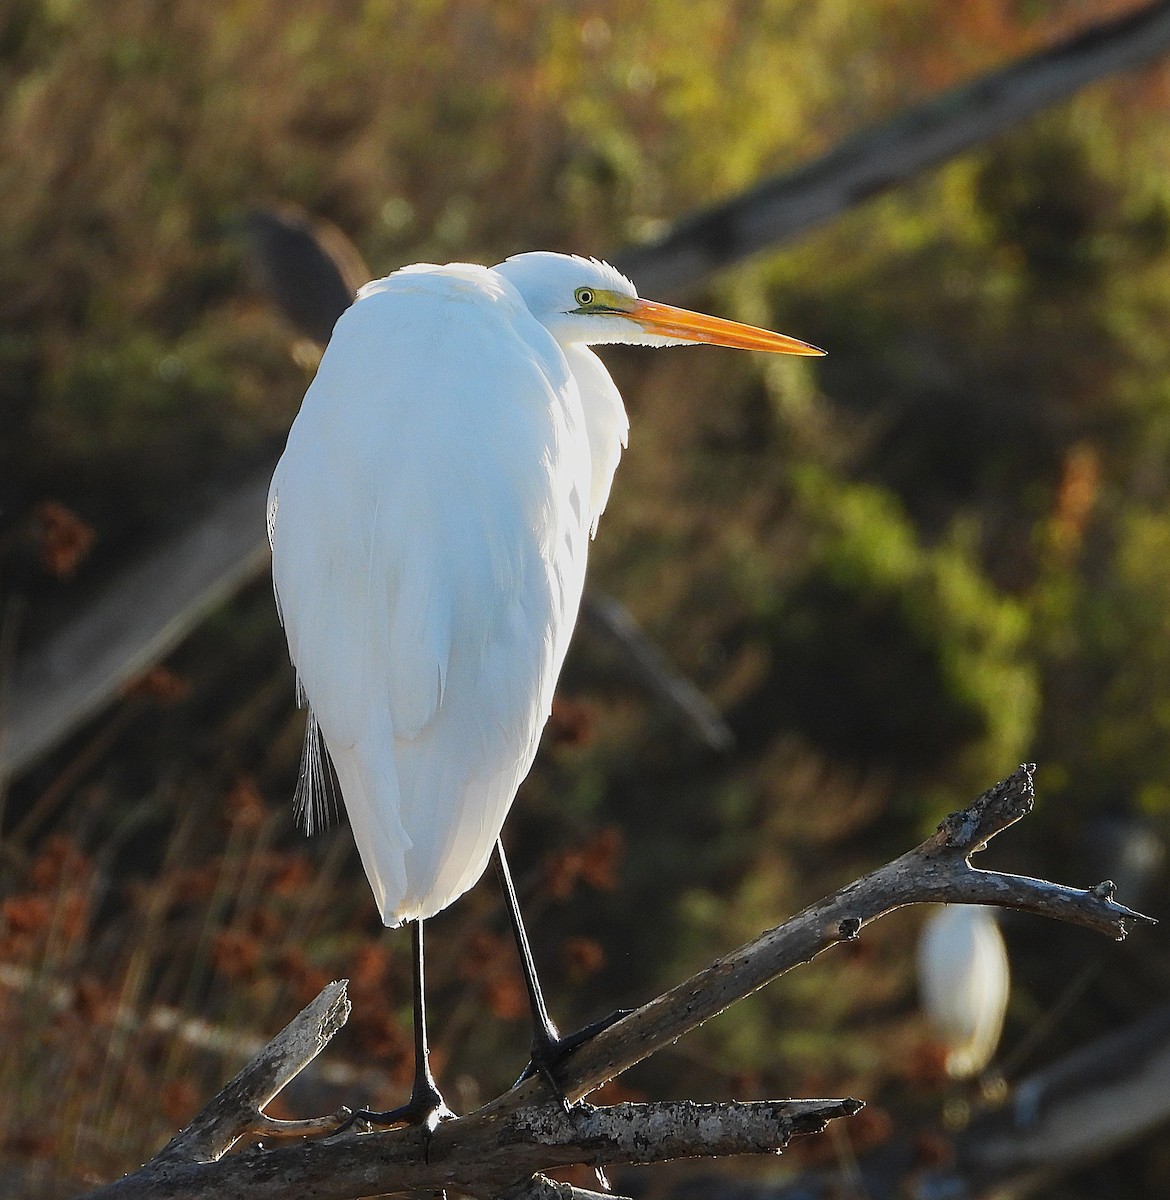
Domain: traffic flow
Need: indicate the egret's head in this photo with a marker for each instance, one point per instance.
(584, 300)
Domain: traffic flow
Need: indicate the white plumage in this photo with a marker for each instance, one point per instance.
(963, 983)
(429, 522)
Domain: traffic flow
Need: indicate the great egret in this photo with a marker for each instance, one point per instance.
(963, 983)
(429, 522)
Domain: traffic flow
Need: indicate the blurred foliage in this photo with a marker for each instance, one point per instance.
(899, 571)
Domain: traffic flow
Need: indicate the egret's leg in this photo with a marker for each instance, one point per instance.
(549, 1047)
(425, 1106)
(544, 1032)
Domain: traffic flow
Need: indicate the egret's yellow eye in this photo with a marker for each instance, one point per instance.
(583, 296)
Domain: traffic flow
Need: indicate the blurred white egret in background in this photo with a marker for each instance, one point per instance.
(963, 984)
(429, 522)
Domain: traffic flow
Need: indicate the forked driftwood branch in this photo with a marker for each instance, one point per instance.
(501, 1148)
(239, 1108)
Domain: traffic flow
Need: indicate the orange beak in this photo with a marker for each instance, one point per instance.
(673, 322)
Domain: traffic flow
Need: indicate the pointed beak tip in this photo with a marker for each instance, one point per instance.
(796, 348)
(681, 323)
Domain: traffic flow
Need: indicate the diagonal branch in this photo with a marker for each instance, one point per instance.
(610, 622)
(936, 871)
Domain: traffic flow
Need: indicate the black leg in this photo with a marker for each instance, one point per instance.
(425, 1106)
(544, 1033)
(549, 1048)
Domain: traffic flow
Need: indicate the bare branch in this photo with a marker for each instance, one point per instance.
(610, 621)
(503, 1145)
(308, 266)
(680, 1128)
(143, 613)
(487, 1153)
(238, 1109)
(540, 1187)
(1080, 1108)
(936, 871)
(269, 1127)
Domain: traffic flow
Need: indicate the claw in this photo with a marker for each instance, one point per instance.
(550, 1049)
(426, 1109)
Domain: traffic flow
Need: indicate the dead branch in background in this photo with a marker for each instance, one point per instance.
(501, 1148)
(609, 621)
(143, 614)
(308, 268)
(886, 155)
(147, 610)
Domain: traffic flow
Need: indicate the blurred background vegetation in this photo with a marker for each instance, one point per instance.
(899, 572)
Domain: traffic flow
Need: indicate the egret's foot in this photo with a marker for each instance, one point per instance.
(550, 1049)
(425, 1108)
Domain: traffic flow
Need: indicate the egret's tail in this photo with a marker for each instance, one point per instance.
(372, 802)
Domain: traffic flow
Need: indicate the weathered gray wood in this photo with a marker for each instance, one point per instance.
(489, 1153)
(503, 1145)
(938, 871)
(238, 1109)
(539, 1187)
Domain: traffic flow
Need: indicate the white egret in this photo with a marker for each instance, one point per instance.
(963, 983)
(429, 522)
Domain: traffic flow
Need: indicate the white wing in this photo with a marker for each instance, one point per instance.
(429, 523)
